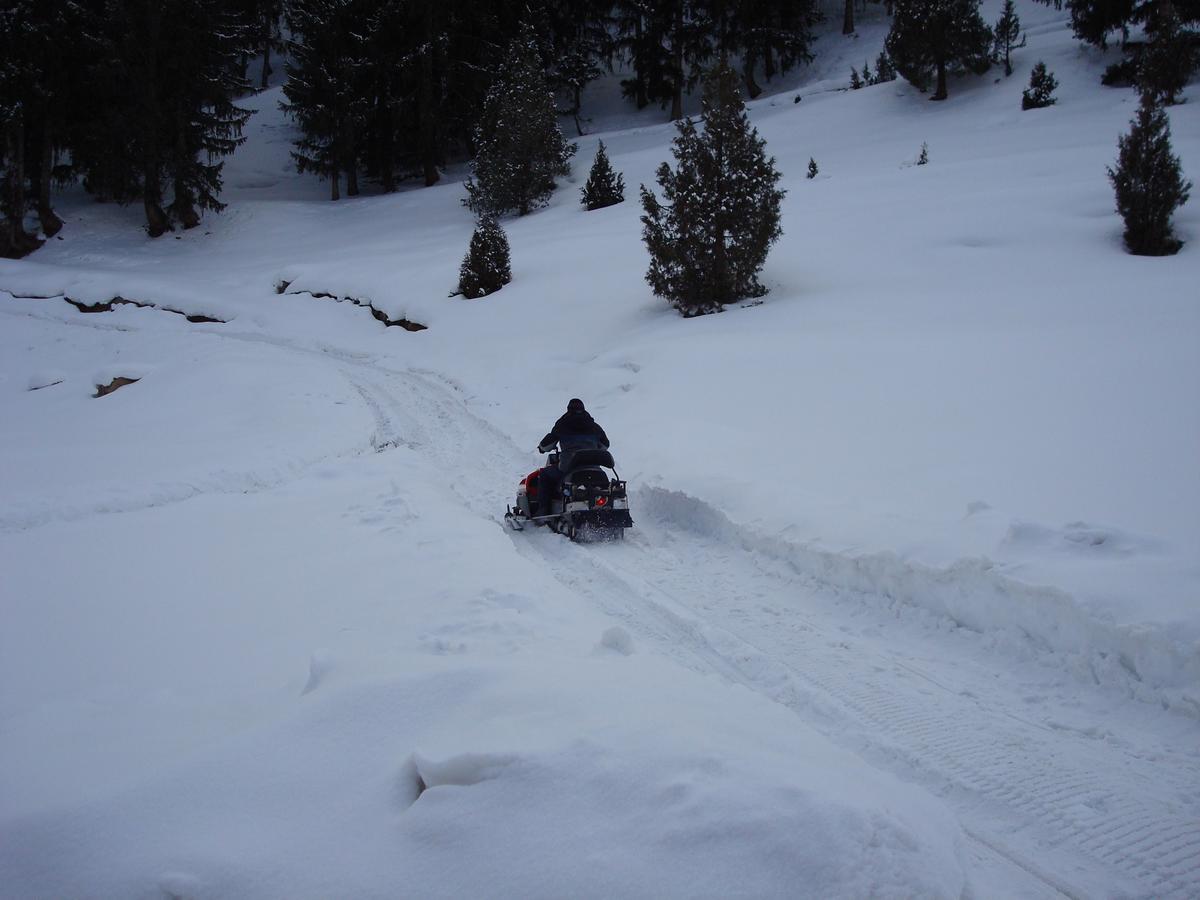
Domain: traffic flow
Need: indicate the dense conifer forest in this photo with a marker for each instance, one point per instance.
(138, 100)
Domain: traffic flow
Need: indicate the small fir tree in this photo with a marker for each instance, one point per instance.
(855, 81)
(1007, 32)
(1040, 92)
(812, 168)
(486, 268)
(604, 186)
(519, 148)
(933, 37)
(867, 77)
(1149, 182)
(884, 70)
(720, 215)
(923, 156)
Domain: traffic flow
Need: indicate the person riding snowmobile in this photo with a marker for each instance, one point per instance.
(575, 430)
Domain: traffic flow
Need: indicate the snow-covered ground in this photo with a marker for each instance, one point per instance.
(912, 607)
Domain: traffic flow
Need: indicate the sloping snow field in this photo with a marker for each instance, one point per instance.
(911, 608)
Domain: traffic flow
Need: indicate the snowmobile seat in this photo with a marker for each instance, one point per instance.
(578, 459)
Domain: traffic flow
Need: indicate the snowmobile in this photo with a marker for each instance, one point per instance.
(592, 505)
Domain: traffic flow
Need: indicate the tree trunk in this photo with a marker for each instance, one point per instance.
(768, 63)
(639, 77)
(752, 86)
(848, 18)
(941, 93)
(51, 223)
(386, 138)
(266, 69)
(184, 204)
(352, 179)
(426, 111)
(677, 59)
(336, 191)
(157, 222)
(15, 241)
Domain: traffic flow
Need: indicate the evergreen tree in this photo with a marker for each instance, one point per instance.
(710, 237)
(867, 77)
(1094, 21)
(16, 71)
(923, 156)
(486, 267)
(855, 81)
(931, 37)
(324, 90)
(519, 148)
(260, 24)
(604, 186)
(641, 38)
(1148, 181)
(668, 40)
(162, 81)
(1007, 32)
(774, 33)
(1040, 92)
(884, 70)
(812, 168)
(581, 40)
(204, 124)
(1167, 63)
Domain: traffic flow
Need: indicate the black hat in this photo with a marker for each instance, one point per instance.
(576, 405)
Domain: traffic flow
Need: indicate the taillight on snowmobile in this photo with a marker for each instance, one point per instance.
(601, 501)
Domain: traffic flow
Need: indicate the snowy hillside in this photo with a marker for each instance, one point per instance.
(912, 603)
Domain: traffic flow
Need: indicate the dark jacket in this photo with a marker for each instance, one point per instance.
(574, 430)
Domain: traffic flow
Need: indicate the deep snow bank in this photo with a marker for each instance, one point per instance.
(1158, 665)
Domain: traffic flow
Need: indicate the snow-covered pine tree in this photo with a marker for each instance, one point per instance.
(812, 168)
(1149, 182)
(604, 186)
(933, 37)
(486, 268)
(1007, 32)
(519, 148)
(1040, 92)
(867, 77)
(855, 80)
(710, 236)
(324, 91)
(923, 156)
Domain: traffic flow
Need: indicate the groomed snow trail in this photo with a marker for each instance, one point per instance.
(1076, 811)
